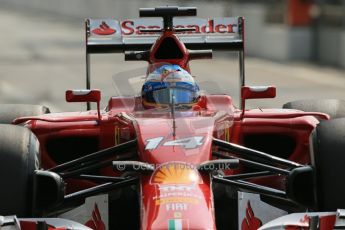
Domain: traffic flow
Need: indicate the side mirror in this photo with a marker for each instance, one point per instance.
(256, 92)
(85, 95)
(49, 190)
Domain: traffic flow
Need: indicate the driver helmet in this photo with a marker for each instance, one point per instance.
(169, 84)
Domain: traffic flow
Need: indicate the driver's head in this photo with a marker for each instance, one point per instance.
(168, 82)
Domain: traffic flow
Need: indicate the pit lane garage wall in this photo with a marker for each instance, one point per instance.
(271, 41)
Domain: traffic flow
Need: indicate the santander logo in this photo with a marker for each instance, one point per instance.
(130, 27)
(104, 29)
(135, 27)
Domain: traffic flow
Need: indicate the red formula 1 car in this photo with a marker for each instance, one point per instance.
(173, 157)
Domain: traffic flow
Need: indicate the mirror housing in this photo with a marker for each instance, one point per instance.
(85, 95)
(48, 190)
(257, 92)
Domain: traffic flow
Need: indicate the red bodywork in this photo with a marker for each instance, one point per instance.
(166, 195)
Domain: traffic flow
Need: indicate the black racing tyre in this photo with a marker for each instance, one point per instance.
(328, 157)
(333, 107)
(9, 112)
(19, 158)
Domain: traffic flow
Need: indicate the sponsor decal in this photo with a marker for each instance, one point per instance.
(187, 143)
(172, 188)
(96, 222)
(176, 183)
(93, 213)
(177, 197)
(178, 224)
(176, 207)
(253, 213)
(184, 200)
(178, 194)
(250, 222)
(132, 27)
(176, 173)
(104, 29)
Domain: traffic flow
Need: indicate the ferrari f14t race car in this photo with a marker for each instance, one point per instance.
(172, 156)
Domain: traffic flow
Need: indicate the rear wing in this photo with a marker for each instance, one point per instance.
(114, 36)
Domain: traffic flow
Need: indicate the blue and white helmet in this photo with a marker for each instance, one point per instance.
(167, 82)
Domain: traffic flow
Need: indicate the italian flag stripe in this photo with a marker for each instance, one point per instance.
(177, 224)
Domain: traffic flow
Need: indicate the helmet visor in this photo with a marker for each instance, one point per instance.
(164, 96)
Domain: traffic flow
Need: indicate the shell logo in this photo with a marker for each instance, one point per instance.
(176, 173)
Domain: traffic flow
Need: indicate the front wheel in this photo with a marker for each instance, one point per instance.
(328, 157)
(19, 158)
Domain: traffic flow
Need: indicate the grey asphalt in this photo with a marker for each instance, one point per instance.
(42, 56)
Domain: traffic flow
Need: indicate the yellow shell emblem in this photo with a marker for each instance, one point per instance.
(176, 173)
